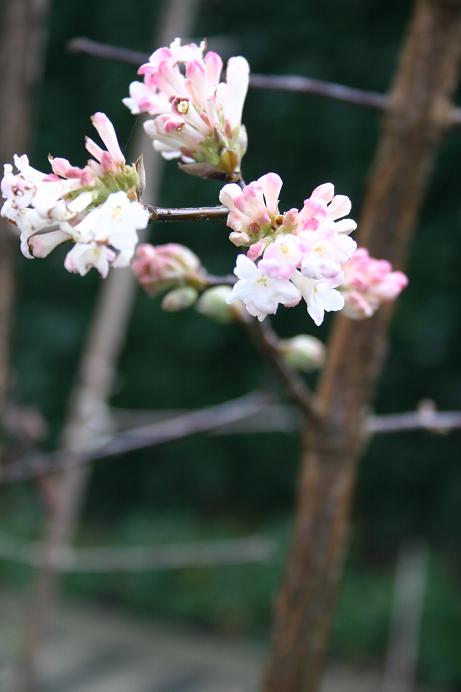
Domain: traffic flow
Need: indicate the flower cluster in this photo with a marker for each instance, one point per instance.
(197, 117)
(301, 253)
(368, 282)
(166, 267)
(95, 207)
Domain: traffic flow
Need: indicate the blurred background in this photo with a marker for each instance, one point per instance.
(216, 487)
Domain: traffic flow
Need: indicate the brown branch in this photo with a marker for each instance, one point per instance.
(86, 46)
(291, 83)
(331, 90)
(192, 423)
(187, 213)
(65, 558)
(250, 414)
(266, 342)
(418, 114)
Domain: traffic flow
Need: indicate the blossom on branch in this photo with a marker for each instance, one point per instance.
(163, 267)
(368, 282)
(301, 253)
(261, 294)
(196, 117)
(95, 207)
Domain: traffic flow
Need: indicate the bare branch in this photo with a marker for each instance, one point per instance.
(86, 46)
(282, 418)
(65, 558)
(266, 341)
(187, 213)
(291, 83)
(221, 280)
(437, 422)
(203, 420)
(250, 414)
(331, 90)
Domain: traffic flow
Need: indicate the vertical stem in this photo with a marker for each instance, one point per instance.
(420, 103)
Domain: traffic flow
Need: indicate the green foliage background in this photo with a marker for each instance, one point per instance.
(409, 485)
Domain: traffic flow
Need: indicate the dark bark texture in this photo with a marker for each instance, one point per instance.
(419, 112)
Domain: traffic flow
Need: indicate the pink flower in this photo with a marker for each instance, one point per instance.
(323, 205)
(254, 210)
(166, 266)
(282, 257)
(196, 117)
(302, 253)
(369, 282)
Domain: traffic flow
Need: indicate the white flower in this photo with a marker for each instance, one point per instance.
(84, 256)
(260, 294)
(114, 223)
(320, 296)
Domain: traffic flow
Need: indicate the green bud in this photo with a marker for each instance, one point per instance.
(303, 352)
(179, 299)
(212, 304)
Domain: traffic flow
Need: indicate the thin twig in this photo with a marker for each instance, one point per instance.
(187, 213)
(221, 280)
(227, 418)
(86, 46)
(307, 85)
(292, 83)
(283, 418)
(437, 422)
(203, 420)
(265, 341)
(230, 551)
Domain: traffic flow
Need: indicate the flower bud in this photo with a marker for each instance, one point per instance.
(167, 266)
(303, 352)
(179, 299)
(212, 304)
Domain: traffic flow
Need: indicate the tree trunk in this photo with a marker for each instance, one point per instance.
(419, 113)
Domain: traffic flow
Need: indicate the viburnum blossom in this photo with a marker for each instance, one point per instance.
(197, 117)
(163, 267)
(301, 253)
(260, 294)
(96, 207)
(368, 282)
